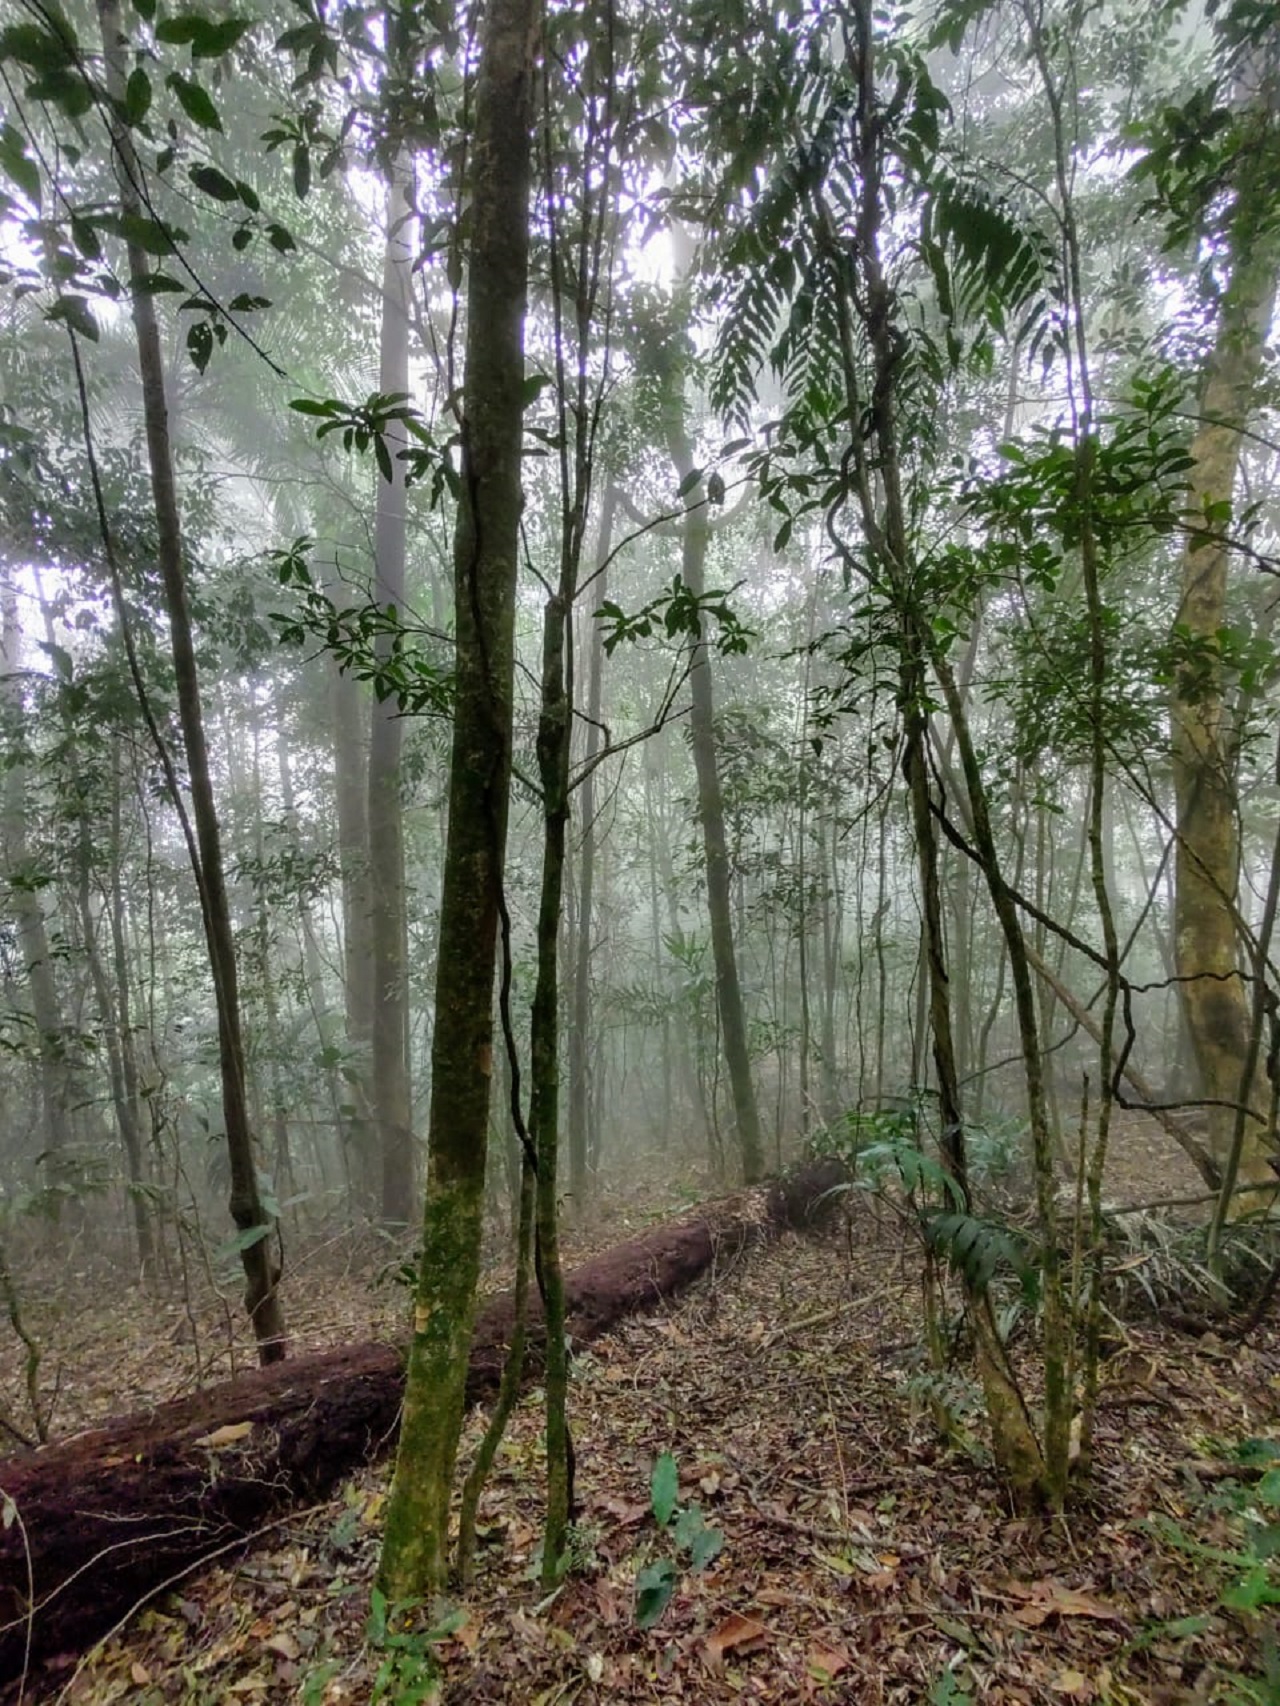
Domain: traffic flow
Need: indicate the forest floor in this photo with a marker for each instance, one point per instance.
(862, 1560)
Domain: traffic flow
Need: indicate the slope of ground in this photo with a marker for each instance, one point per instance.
(861, 1563)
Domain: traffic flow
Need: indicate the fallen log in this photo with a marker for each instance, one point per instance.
(95, 1524)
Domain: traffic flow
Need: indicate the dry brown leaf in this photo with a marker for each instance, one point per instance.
(139, 1675)
(827, 1662)
(736, 1634)
(1046, 1599)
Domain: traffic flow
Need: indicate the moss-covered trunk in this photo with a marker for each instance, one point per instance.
(415, 1548)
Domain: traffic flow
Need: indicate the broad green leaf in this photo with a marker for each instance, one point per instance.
(18, 166)
(157, 284)
(206, 37)
(41, 49)
(243, 1241)
(664, 1489)
(655, 1585)
(214, 183)
(149, 235)
(195, 101)
(137, 96)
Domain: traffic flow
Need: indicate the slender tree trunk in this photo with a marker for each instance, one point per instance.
(733, 1022)
(24, 891)
(415, 1547)
(580, 1145)
(390, 1092)
(262, 1298)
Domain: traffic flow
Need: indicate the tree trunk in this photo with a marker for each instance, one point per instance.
(415, 1548)
(580, 1145)
(351, 805)
(390, 1093)
(1205, 755)
(56, 1088)
(702, 736)
(262, 1299)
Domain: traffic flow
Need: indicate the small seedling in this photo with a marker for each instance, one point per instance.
(695, 1541)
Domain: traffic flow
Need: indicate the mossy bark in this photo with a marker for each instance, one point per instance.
(415, 1547)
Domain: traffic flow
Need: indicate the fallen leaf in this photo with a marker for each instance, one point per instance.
(1069, 1682)
(735, 1634)
(826, 1663)
(140, 1675)
(231, 1434)
(283, 1644)
(1046, 1599)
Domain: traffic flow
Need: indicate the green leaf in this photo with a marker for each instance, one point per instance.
(280, 239)
(243, 1241)
(85, 239)
(41, 49)
(220, 38)
(195, 101)
(149, 235)
(301, 170)
(156, 284)
(702, 1543)
(689, 482)
(17, 166)
(137, 96)
(655, 1585)
(1269, 1488)
(74, 311)
(214, 183)
(664, 1489)
(200, 349)
(206, 38)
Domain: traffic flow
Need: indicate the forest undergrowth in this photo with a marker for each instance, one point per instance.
(861, 1561)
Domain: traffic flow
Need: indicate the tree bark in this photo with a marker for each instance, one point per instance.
(415, 1547)
(580, 1145)
(702, 739)
(262, 1299)
(1205, 751)
(390, 1092)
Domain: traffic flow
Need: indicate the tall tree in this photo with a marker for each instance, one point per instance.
(415, 1546)
(389, 1066)
(1206, 738)
(262, 1297)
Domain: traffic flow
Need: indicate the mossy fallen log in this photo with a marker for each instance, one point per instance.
(98, 1523)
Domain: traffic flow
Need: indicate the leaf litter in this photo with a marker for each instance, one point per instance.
(862, 1560)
